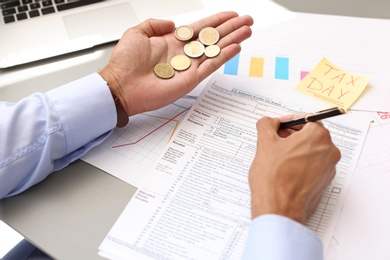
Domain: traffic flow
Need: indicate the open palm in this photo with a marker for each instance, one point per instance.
(130, 69)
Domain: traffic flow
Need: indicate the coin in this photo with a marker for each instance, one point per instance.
(194, 49)
(164, 70)
(208, 36)
(180, 62)
(184, 33)
(212, 50)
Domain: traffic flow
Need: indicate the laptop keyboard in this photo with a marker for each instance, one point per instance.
(17, 10)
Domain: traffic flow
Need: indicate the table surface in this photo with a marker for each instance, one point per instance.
(68, 214)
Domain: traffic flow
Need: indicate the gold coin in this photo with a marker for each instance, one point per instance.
(184, 33)
(194, 49)
(164, 70)
(180, 62)
(208, 36)
(212, 50)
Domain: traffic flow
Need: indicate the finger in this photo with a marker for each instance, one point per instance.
(212, 21)
(235, 37)
(235, 30)
(298, 128)
(288, 131)
(315, 124)
(230, 47)
(316, 133)
(267, 129)
(154, 27)
(292, 116)
(318, 122)
(207, 66)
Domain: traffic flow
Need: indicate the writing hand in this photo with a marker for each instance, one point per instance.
(289, 173)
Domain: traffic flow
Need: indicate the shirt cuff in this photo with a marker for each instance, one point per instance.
(85, 108)
(277, 237)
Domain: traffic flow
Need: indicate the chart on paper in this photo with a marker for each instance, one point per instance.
(290, 50)
(266, 58)
(131, 151)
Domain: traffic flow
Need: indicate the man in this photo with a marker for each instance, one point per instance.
(46, 131)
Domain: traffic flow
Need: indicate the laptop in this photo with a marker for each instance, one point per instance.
(32, 30)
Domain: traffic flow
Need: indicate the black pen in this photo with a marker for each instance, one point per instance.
(335, 111)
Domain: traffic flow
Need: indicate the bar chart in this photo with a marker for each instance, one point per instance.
(286, 52)
(279, 65)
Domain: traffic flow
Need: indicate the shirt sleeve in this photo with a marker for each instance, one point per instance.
(45, 132)
(279, 238)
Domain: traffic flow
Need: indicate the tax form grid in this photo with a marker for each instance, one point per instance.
(196, 201)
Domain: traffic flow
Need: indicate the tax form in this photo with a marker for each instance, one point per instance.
(195, 202)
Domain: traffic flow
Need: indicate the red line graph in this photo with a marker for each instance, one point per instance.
(151, 132)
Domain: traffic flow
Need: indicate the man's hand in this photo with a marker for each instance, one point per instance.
(291, 169)
(130, 68)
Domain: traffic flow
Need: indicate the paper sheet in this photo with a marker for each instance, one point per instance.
(129, 153)
(363, 228)
(196, 201)
(289, 50)
(333, 85)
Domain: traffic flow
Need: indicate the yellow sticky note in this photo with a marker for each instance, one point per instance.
(332, 85)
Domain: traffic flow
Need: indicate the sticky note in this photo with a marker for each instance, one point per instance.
(333, 85)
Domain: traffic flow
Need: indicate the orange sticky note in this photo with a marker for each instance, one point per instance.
(332, 85)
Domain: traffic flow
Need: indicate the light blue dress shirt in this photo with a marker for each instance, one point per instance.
(276, 237)
(45, 132)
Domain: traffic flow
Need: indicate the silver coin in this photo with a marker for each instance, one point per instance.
(194, 49)
(209, 36)
(184, 33)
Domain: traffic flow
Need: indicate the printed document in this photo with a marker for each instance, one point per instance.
(368, 198)
(195, 203)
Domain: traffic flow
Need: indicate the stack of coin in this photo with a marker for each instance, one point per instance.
(208, 37)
